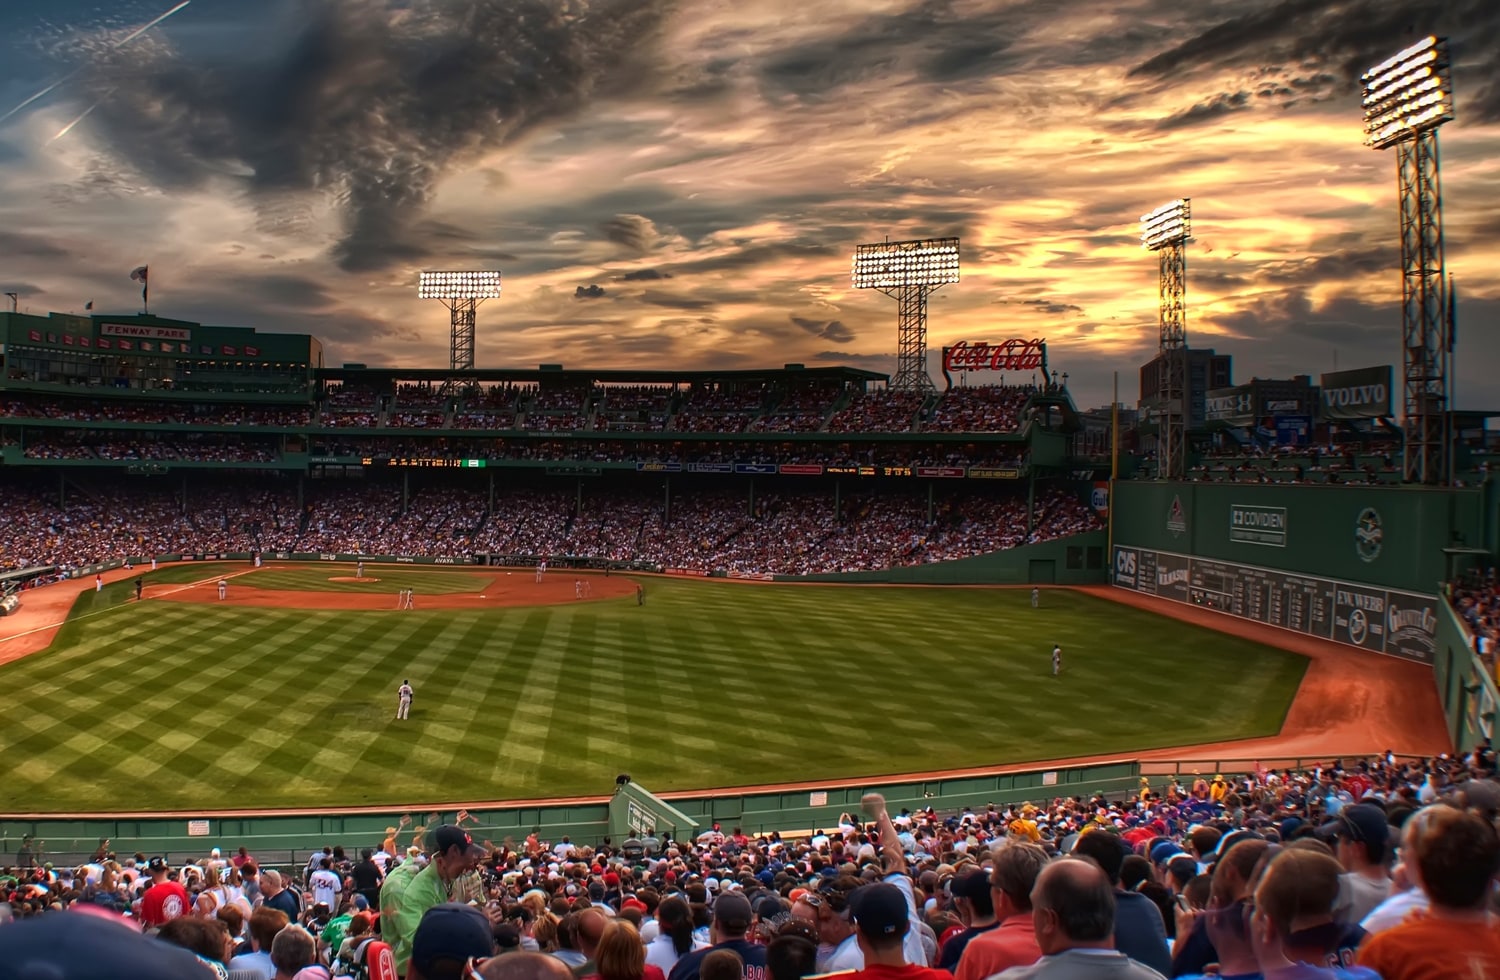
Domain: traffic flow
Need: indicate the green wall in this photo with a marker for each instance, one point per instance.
(1415, 525)
(1078, 560)
(1465, 686)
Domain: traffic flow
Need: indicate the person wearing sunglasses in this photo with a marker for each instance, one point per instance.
(1361, 837)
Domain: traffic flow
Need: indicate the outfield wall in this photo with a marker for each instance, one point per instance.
(281, 839)
(1465, 685)
(1078, 560)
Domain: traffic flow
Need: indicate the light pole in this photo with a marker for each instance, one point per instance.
(909, 271)
(1166, 231)
(461, 292)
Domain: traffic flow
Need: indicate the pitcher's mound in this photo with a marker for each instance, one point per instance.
(351, 578)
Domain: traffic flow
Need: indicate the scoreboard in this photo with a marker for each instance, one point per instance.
(1402, 624)
(424, 462)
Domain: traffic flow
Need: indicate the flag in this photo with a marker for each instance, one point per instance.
(166, 348)
(1452, 315)
(83, 341)
(139, 275)
(226, 350)
(89, 305)
(252, 351)
(68, 340)
(104, 343)
(205, 349)
(147, 345)
(126, 345)
(36, 335)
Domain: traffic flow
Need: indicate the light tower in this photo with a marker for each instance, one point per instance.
(909, 271)
(461, 292)
(1406, 98)
(1166, 231)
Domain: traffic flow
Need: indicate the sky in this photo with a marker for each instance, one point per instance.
(681, 183)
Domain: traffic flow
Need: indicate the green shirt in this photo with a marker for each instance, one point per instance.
(391, 894)
(426, 889)
(333, 933)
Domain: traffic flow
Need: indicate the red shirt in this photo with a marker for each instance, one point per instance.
(1012, 943)
(904, 972)
(164, 902)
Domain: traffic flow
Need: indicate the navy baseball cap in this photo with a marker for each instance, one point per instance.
(92, 944)
(451, 932)
(879, 910)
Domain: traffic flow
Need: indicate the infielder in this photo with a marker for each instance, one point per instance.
(359, 569)
(578, 588)
(223, 588)
(411, 598)
(1056, 660)
(257, 559)
(403, 700)
(1036, 598)
(640, 594)
(588, 588)
(153, 564)
(99, 584)
(401, 599)
(541, 569)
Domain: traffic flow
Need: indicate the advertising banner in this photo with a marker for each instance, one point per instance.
(658, 467)
(1250, 524)
(756, 469)
(1232, 406)
(710, 467)
(943, 472)
(1401, 624)
(993, 473)
(1293, 430)
(1364, 393)
(802, 469)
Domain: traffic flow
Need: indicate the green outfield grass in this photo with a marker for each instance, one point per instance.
(392, 579)
(178, 705)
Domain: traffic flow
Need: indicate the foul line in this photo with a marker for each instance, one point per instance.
(100, 612)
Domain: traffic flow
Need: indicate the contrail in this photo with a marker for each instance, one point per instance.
(72, 74)
(69, 127)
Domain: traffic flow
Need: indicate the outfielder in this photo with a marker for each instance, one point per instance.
(411, 598)
(223, 588)
(1036, 597)
(403, 700)
(541, 569)
(359, 569)
(578, 588)
(1056, 660)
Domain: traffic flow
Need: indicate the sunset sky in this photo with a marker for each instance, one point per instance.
(682, 182)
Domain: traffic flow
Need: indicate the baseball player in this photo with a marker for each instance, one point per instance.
(640, 594)
(401, 599)
(223, 588)
(411, 598)
(99, 584)
(403, 700)
(257, 559)
(138, 587)
(541, 569)
(588, 588)
(578, 588)
(1036, 597)
(1056, 660)
(359, 569)
(153, 564)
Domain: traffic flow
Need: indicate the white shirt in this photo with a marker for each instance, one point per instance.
(404, 692)
(845, 956)
(1394, 910)
(911, 945)
(326, 887)
(662, 954)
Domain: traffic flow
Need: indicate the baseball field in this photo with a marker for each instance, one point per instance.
(284, 693)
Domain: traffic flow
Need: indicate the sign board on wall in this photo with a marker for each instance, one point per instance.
(1401, 624)
(1252, 524)
(1364, 393)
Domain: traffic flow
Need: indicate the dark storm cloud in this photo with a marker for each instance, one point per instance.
(753, 256)
(20, 243)
(1324, 45)
(644, 275)
(1208, 110)
(592, 291)
(369, 100)
(931, 40)
(1048, 306)
(833, 331)
(633, 231)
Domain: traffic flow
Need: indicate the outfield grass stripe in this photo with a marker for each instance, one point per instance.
(215, 706)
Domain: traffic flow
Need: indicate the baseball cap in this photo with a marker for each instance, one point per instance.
(86, 944)
(973, 885)
(1164, 852)
(732, 912)
(1363, 823)
(157, 864)
(879, 910)
(449, 836)
(450, 932)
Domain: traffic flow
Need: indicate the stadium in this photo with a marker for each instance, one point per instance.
(597, 555)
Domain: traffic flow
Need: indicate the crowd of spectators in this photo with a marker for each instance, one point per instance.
(981, 408)
(878, 410)
(1370, 869)
(1476, 597)
(185, 447)
(153, 413)
(786, 530)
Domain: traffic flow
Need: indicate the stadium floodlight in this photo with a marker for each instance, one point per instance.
(459, 285)
(909, 271)
(1408, 93)
(461, 292)
(1166, 231)
(1170, 224)
(1405, 99)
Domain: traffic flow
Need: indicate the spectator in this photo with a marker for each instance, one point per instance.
(976, 909)
(1454, 856)
(265, 924)
(674, 938)
(882, 919)
(1074, 914)
(448, 936)
(1014, 942)
(455, 853)
(622, 956)
(292, 949)
(731, 920)
(1230, 887)
(1293, 929)
(1139, 931)
(1361, 833)
(790, 957)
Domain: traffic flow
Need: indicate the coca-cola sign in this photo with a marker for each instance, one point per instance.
(1013, 355)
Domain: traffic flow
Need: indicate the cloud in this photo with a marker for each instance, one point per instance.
(371, 102)
(830, 330)
(674, 302)
(20, 243)
(593, 291)
(1048, 306)
(1206, 111)
(633, 231)
(644, 275)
